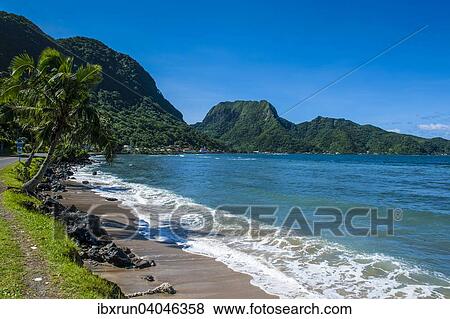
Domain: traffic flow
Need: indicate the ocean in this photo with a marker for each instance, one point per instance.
(198, 189)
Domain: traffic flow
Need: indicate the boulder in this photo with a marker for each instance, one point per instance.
(29, 205)
(51, 205)
(84, 228)
(57, 186)
(43, 187)
(115, 255)
(149, 278)
(49, 172)
(143, 263)
(94, 254)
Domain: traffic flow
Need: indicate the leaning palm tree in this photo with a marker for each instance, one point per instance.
(53, 98)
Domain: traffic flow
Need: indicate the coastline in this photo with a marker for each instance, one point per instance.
(192, 275)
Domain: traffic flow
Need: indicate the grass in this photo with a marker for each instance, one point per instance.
(8, 176)
(57, 249)
(11, 265)
(13, 175)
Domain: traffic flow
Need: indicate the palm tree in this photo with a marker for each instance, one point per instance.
(53, 98)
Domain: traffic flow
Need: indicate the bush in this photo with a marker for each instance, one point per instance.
(24, 173)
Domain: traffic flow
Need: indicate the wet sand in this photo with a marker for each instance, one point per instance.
(192, 276)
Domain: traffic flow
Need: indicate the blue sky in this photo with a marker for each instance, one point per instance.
(204, 52)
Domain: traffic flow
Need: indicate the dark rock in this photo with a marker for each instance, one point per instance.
(42, 187)
(143, 263)
(29, 205)
(149, 278)
(85, 182)
(94, 173)
(111, 199)
(84, 228)
(49, 172)
(105, 238)
(115, 255)
(57, 186)
(51, 205)
(94, 254)
(81, 234)
(83, 254)
(50, 202)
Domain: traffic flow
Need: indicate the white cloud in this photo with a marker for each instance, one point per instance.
(434, 127)
(395, 130)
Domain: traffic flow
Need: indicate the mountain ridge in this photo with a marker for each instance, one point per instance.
(143, 118)
(248, 131)
(137, 111)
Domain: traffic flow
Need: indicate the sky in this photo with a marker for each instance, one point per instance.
(203, 52)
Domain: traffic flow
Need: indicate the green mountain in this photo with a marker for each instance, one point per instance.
(255, 126)
(18, 35)
(128, 96)
(249, 126)
(126, 75)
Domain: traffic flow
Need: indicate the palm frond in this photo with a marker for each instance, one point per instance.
(50, 59)
(89, 74)
(20, 64)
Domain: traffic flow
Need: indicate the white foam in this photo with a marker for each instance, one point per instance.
(293, 267)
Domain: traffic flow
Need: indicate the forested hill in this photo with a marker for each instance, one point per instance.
(256, 126)
(128, 95)
(249, 126)
(128, 77)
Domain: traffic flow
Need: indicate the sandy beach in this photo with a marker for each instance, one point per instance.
(193, 276)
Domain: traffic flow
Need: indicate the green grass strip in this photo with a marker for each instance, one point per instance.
(57, 249)
(11, 264)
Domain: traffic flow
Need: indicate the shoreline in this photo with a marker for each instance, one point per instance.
(192, 275)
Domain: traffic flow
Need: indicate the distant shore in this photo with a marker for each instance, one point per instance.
(192, 276)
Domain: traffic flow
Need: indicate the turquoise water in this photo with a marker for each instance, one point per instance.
(415, 262)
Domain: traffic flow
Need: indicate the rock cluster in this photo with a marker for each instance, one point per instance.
(85, 228)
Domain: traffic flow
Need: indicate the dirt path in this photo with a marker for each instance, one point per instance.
(37, 279)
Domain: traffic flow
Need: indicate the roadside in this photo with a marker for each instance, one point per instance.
(7, 160)
(23, 270)
(39, 260)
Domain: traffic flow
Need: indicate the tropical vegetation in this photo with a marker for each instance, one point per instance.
(247, 126)
(136, 110)
(51, 102)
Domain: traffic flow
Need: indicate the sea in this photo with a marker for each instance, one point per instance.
(238, 208)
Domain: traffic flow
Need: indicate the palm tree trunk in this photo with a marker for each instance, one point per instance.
(33, 152)
(30, 186)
